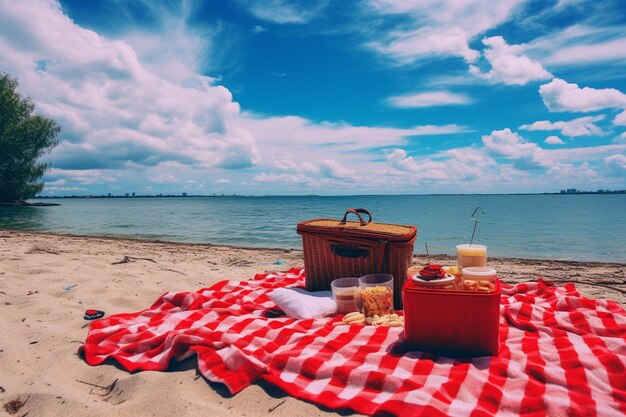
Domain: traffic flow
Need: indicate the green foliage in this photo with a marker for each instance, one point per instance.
(24, 138)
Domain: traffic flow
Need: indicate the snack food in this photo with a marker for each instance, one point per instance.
(479, 285)
(391, 320)
(356, 317)
(376, 300)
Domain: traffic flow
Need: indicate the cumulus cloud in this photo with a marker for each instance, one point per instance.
(554, 140)
(508, 64)
(114, 109)
(327, 172)
(510, 145)
(560, 96)
(583, 126)
(332, 169)
(428, 99)
(567, 174)
(452, 166)
(616, 164)
(621, 138)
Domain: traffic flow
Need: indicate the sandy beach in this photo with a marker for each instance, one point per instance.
(48, 281)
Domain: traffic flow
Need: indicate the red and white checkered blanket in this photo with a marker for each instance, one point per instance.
(561, 354)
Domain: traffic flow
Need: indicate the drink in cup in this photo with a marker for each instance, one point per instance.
(346, 294)
(469, 255)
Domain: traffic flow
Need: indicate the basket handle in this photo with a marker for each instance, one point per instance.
(357, 211)
(344, 252)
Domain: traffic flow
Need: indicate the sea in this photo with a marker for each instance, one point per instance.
(580, 227)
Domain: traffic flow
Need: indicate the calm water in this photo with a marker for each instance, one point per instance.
(578, 227)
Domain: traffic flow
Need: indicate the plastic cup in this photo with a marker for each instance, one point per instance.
(376, 294)
(346, 294)
(471, 255)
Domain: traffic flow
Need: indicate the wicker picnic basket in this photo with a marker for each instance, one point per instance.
(341, 248)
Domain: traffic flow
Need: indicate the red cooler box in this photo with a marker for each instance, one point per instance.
(463, 323)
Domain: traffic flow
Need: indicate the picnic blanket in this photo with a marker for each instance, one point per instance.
(561, 354)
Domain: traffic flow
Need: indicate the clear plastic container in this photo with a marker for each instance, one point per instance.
(471, 255)
(376, 294)
(346, 294)
(479, 278)
(479, 273)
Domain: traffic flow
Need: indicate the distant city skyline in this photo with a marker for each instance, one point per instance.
(317, 97)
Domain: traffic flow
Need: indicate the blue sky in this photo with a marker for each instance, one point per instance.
(320, 97)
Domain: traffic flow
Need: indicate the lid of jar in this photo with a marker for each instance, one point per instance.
(479, 271)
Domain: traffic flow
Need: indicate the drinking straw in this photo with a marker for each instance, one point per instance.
(476, 220)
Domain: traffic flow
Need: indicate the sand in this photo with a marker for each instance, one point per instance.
(42, 323)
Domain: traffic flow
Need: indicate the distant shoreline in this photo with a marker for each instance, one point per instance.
(600, 192)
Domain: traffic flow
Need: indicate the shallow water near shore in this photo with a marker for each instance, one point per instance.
(586, 227)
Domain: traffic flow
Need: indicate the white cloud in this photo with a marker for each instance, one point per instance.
(472, 16)
(620, 119)
(567, 174)
(438, 28)
(583, 126)
(554, 140)
(283, 11)
(399, 160)
(113, 108)
(327, 172)
(166, 178)
(454, 166)
(428, 99)
(559, 96)
(410, 46)
(612, 50)
(621, 138)
(303, 134)
(584, 154)
(222, 181)
(175, 50)
(284, 178)
(332, 169)
(508, 144)
(616, 164)
(508, 64)
(581, 44)
(258, 29)
(83, 176)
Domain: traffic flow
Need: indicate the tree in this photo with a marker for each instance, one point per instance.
(24, 138)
